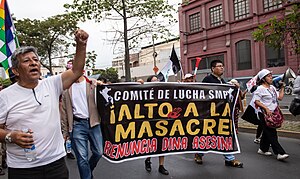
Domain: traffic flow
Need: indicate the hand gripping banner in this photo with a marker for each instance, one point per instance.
(158, 119)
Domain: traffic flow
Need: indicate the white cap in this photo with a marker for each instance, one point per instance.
(263, 73)
(188, 75)
(233, 81)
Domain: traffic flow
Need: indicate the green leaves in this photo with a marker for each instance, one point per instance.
(278, 32)
(109, 73)
(50, 36)
(135, 21)
(90, 59)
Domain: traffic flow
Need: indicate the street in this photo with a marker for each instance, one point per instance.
(183, 166)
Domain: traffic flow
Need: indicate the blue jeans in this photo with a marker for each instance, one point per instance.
(227, 157)
(81, 134)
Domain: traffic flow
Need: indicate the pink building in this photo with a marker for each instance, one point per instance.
(221, 29)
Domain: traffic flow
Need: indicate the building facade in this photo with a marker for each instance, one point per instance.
(221, 29)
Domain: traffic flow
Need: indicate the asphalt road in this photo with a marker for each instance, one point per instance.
(183, 166)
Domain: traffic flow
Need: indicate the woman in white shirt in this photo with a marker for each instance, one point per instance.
(266, 98)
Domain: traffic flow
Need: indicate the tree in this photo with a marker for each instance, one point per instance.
(90, 59)
(51, 36)
(139, 19)
(277, 32)
(109, 73)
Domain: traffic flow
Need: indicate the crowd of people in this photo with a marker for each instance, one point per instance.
(32, 104)
(65, 103)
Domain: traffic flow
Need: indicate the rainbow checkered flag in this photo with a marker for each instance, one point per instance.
(8, 39)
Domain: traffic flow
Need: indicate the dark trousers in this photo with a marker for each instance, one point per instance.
(269, 137)
(55, 170)
(259, 131)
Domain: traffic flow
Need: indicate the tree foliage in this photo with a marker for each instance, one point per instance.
(90, 59)
(278, 32)
(139, 18)
(52, 36)
(109, 73)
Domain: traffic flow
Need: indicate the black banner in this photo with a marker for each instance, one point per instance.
(155, 119)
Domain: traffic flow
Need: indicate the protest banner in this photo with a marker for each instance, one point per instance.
(155, 119)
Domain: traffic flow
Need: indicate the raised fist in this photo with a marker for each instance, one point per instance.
(81, 36)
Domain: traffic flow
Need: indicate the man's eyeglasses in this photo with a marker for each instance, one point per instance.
(219, 66)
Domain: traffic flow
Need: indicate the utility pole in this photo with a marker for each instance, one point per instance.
(155, 68)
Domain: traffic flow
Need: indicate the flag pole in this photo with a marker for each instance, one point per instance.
(182, 72)
(9, 41)
(198, 59)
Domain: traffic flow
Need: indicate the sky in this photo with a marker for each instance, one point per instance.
(41, 9)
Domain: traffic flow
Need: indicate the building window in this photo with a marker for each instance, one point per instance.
(274, 57)
(241, 9)
(195, 22)
(216, 15)
(272, 4)
(243, 55)
(205, 62)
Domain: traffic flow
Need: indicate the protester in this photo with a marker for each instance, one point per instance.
(239, 104)
(81, 122)
(294, 107)
(217, 69)
(266, 98)
(296, 89)
(189, 78)
(33, 104)
(259, 128)
(13, 79)
(258, 134)
(2, 150)
(62, 113)
(161, 168)
(250, 114)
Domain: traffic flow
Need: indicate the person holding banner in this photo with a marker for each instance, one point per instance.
(32, 104)
(239, 105)
(217, 69)
(189, 78)
(249, 114)
(266, 98)
(161, 168)
(81, 123)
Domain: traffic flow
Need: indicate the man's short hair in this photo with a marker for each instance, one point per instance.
(214, 63)
(101, 78)
(21, 51)
(149, 79)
